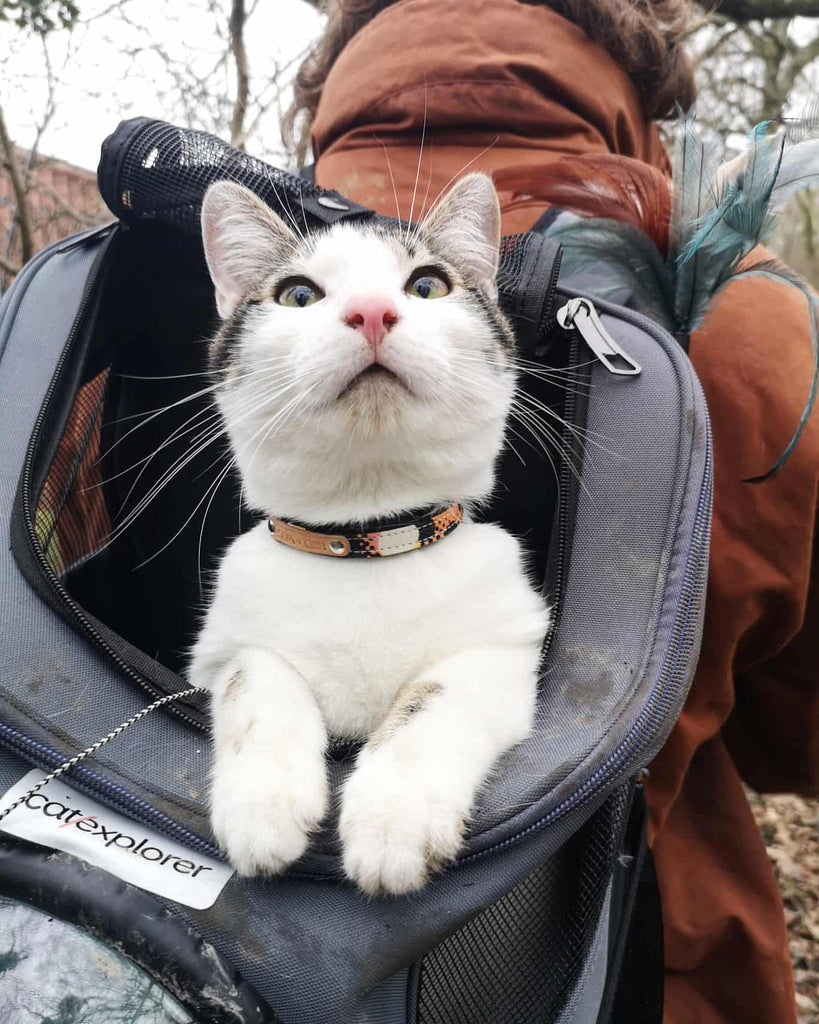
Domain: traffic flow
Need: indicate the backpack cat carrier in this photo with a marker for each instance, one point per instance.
(115, 903)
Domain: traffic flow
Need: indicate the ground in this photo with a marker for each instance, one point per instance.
(790, 828)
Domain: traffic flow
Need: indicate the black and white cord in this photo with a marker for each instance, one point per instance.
(66, 765)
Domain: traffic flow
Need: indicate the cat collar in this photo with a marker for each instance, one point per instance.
(380, 537)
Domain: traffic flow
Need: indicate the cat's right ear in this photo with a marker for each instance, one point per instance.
(242, 238)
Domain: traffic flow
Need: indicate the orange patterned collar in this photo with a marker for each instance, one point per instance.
(393, 536)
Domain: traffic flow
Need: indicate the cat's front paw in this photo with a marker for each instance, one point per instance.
(263, 819)
(398, 826)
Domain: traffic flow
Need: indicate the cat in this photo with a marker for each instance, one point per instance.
(367, 375)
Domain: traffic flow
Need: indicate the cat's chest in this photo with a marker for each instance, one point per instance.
(358, 630)
(395, 605)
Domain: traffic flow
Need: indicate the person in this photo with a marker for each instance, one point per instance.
(404, 96)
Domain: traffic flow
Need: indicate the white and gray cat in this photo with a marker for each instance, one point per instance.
(367, 373)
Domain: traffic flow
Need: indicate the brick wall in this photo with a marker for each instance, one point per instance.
(62, 199)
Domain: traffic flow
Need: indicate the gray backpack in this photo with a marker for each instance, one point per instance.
(548, 914)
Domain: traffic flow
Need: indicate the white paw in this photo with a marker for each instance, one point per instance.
(263, 817)
(397, 826)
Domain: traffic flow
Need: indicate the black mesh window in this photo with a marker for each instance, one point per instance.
(517, 962)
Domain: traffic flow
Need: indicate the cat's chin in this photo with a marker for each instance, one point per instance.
(373, 404)
(375, 376)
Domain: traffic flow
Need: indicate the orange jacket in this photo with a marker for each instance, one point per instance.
(511, 88)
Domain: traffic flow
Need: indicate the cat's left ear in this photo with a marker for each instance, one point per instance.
(242, 238)
(464, 225)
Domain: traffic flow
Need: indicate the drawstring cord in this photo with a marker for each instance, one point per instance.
(67, 765)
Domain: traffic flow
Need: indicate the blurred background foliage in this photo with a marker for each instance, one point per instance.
(758, 60)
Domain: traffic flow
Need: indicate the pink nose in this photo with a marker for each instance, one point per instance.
(373, 317)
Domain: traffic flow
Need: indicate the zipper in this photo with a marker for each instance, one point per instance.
(564, 489)
(581, 314)
(112, 794)
(59, 591)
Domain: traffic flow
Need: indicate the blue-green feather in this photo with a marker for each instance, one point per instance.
(715, 224)
(737, 216)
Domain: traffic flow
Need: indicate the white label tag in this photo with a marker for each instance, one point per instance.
(66, 820)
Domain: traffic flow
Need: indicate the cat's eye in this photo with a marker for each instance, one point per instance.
(427, 283)
(298, 293)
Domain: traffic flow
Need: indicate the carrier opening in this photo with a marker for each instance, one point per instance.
(132, 499)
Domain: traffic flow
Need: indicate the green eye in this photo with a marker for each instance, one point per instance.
(299, 294)
(426, 285)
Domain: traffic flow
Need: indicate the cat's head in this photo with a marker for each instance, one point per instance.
(366, 369)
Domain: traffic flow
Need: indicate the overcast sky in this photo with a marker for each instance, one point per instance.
(108, 68)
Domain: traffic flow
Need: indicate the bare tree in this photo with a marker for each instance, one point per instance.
(41, 199)
(21, 216)
(227, 84)
(219, 89)
(238, 20)
(753, 71)
(757, 63)
(41, 16)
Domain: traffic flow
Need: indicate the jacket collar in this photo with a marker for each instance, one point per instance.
(516, 77)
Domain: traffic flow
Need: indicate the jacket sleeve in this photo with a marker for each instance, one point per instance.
(754, 358)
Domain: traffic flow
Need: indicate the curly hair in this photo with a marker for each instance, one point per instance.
(644, 37)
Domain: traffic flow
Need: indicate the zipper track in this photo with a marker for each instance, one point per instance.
(28, 518)
(564, 489)
(113, 795)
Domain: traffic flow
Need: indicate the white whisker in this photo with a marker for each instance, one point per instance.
(418, 168)
(392, 179)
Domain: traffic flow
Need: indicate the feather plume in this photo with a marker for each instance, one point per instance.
(619, 237)
(715, 215)
(777, 270)
(722, 213)
(613, 188)
(621, 263)
(697, 156)
(806, 126)
(738, 210)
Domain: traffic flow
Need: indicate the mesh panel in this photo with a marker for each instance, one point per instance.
(71, 521)
(519, 960)
(150, 170)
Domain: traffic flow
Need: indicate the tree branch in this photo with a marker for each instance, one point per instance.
(711, 51)
(22, 213)
(238, 17)
(8, 266)
(86, 219)
(803, 56)
(756, 10)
